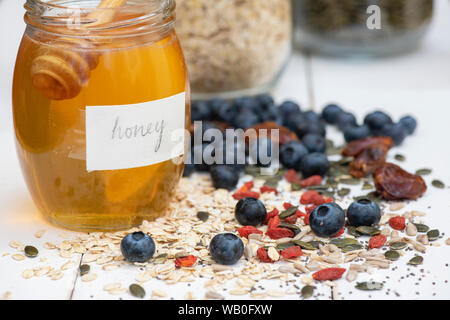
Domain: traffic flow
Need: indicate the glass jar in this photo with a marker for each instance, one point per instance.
(98, 93)
(361, 27)
(234, 47)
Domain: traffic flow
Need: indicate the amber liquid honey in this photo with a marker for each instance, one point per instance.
(50, 137)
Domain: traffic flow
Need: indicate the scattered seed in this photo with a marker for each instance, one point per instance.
(308, 291)
(421, 227)
(137, 291)
(398, 245)
(350, 181)
(369, 286)
(28, 273)
(400, 157)
(438, 184)
(433, 235)
(352, 247)
(84, 269)
(89, 277)
(18, 257)
(416, 261)
(424, 172)
(304, 245)
(392, 255)
(203, 215)
(370, 231)
(343, 242)
(343, 192)
(289, 212)
(31, 252)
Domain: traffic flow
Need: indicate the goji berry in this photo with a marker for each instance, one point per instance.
(287, 205)
(312, 197)
(397, 223)
(292, 252)
(328, 274)
(249, 185)
(377, 241)
(187, 261)
(306, 219)
(263, 255)
(292, 219)
(340, 233)
(300, 214)
(267, 189)
(270, 215)
(245, 194)
(273, 222)
(279, 233)
(291, 176)
(311, 181)
(248, 230)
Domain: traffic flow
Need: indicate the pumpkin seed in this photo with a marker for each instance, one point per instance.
(392, 255)
(400, 157)
(345, 161)
(343, 192)
(367, 186)
(291, 227)
(424, 172)
(160, 259)
(367, 230)
(31, 251)
(416, 261)
(351, 230)
(438, 184)
(369, 286)
(329, 194)
(84, 269)
(316, 243)
(283, 246)
(287, 213)
(351, 182)
(203, 215)
(272, 182)
(318, 188)
(422, 228)
(343, 242)
(433, 235)
(137, 291)
(296, 187)
(399, 245)
(307, 291)
(305, 245)
(352, 247)
(252, 170)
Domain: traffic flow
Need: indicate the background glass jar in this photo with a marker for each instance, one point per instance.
(234, 47)
(340, 28)
(69, 59)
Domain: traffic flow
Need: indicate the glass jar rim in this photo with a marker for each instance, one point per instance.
(73, 18)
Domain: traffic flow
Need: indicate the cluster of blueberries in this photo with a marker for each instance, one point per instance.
(376, 123)
(226, 248)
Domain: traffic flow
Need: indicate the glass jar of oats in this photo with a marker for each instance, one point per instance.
(361, 27)
(234, 47)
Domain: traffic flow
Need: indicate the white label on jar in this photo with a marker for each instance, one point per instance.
(135, 135)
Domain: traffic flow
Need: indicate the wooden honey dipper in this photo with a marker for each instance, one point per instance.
(58, 71)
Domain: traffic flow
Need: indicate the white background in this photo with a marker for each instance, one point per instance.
(418, 83)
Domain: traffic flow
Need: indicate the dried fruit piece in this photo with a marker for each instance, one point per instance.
(368, 161)
(355, 147)
(394, 183)
(291, 176)
(292, 252)
(397, 223)
(284, 134)
(267, 189)
(312, 197)
(279, 233)
(187, 261)
(311, 181)
(273, 223)
(377, 241)
(245, 194)
(263, 255)
(328, 274)
(270, 215)
(244, 232)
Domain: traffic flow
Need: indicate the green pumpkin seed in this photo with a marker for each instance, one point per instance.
(307, 291)
(351, 230)
(31, 251)
(343, 242)
(272, 182)
(252, 170)
(343, 192)
(84, 269)
(345, 161)
(438, 184)
(352, 247)
(424, 172)
(316, 243)
(392, 255)
(203, 215)
(367, 186)
(368, 231)
(291, 227)
(137, 291)
(399, 245)
(351, 182)
(283, 246)
(305, 245)
(400, 157)
(416, 261)
(160, 259)
(422, 228)
(287, 213)
(296, 187)
(433, 235)
(369, 286)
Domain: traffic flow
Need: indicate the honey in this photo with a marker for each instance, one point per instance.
(50, 125)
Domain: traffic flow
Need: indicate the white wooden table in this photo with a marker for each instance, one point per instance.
(418, 84)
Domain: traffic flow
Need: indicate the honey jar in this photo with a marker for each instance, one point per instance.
(100, 106)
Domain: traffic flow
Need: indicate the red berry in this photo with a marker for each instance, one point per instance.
(187, 261)
(328, 274)
(292, 177)
(397, 223)
(377, 241)
(279, 233)
(263, 256)
(311, 181)
(245, 194)
(292, 252)
(244, 232)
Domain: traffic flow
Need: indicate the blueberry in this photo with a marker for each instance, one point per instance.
(245, 119)
(200, 110)
(307, 127)
(247, 103)
(363, 212)
(226, 248)
(345, 119)
(226, 112)
(137, 247)
(314, 164)
(330, 113)
(215, 105)
(265, 100)
(291, 154)
(294, 120)
(410, 123)
(311, 116)
(250, 212)
(288, 107)
(327, 220)
(377, 120)
(356, 133)
(224, 177)
(260, 152)
(271, 114)
(396, 131)
(314, 143)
